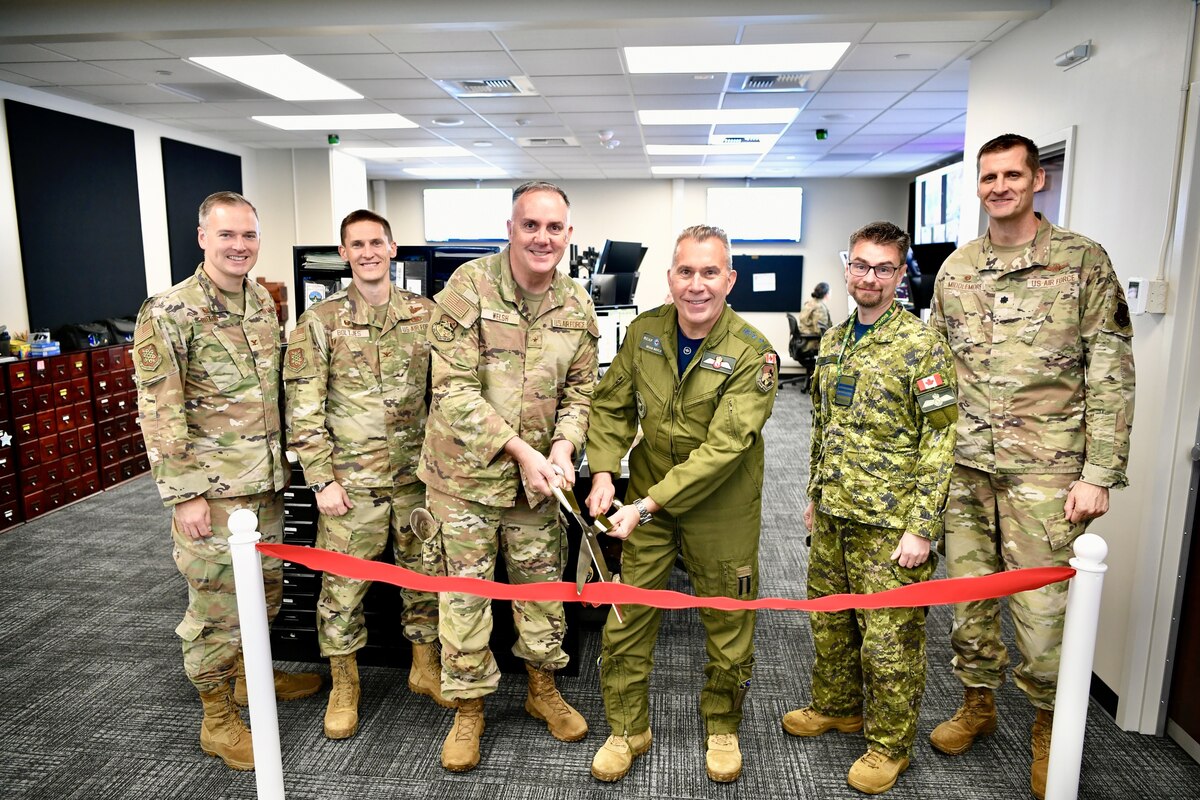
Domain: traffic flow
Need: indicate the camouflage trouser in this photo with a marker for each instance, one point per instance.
(871, 661)
(210, 631)
(719, 546)
(363, 532)
(534, 549)
(996, 522)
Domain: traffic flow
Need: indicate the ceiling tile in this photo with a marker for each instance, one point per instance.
(28, 52)
(875, 80)
(392, 89)
(920, 55)
(853, 100)
(239, 46)
(435, 106)
(325, 45)
(618, 121)
(385, 65)
(660, 36)
(593, 85)
(932, 31)
(101, 51)
(439, 41)
(462, 65)
(599, 104)
(676, 84)
(676, 102)
(953, 78)
(804, 32)
(507, 105)
(559, 38)
(69, 73)
(767, 99)
(133, 93)
(568, 62)
(147, 71)
(931, 117)
(25, 80)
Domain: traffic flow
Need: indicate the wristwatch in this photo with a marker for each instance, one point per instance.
(320, 486)
(643, 515)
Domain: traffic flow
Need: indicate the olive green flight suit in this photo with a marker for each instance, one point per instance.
(701, 459)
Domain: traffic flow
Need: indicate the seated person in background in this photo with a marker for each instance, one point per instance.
(701, 382)
(814, 321)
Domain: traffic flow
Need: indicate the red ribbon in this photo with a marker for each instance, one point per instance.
(928, 593)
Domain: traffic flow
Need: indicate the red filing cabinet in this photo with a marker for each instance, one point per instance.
(10, 494)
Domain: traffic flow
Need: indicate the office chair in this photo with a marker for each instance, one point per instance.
(803, 348)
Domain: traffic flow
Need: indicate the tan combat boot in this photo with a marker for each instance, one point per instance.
(1043, 726)
(288, 685)
(723, 759)
(544, 702)
(460, 751)
(876, 772)
(975, 717)
(613, 760)
(222, 733)
(341, 717)
(425, 674)
(810, 722)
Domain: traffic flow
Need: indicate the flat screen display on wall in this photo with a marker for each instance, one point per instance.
(757, 214)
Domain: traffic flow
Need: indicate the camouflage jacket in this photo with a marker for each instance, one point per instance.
(699, 428)
(208, 391)
(883, 449)
(1044, 350)
(814, 317)
(356, 392)
(499, 370)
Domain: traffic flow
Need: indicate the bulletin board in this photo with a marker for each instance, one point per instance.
(767, 283)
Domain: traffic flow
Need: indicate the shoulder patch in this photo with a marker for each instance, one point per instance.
(149, 357)
(939, 405)
(766, 376)
(295, 359)
(444, 329)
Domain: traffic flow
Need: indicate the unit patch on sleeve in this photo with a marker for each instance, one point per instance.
(443, 330)
(295, 359)
(149, 357)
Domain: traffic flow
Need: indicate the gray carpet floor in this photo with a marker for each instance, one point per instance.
(94, 702)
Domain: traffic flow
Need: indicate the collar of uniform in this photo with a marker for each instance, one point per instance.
(360, 307)
(1036, 254)
(670, 328)
(216, 300)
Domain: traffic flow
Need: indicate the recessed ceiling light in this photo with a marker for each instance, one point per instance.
(481, 143)
(452, 173)
(722, 171)
(346, 122)
(735, 58)
(282, 76)
(447, 122)
(392, 153)
(719, 116)
(718, 146)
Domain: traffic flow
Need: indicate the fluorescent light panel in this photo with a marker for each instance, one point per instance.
(723, 171)
(282, 76)
(456, 172)
(735, 58)
(336, 122)
(397, 153)
(719, 116)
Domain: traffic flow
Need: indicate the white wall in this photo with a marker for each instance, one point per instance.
(1125, 106)
(653, 212)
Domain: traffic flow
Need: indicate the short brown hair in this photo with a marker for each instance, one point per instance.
(222, 199)
(540, 186)
(884, 234)
(1008, 141)
(363, 215)
(700, 233)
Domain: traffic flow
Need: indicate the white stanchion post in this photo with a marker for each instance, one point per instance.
(256, 650)
(1075, 667)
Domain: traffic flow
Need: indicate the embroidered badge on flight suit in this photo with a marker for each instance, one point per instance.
(718, 362)
(443, 330)
(641, 405)
(651, 344)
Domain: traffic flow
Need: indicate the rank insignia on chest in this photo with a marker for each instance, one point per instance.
(930, 382)
(295, 360)
(651, 344)
(443, 330)
(149, 357)
(844, 393)
(718, 363)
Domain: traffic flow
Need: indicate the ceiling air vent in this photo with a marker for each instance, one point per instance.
(547, 141)
(514, 86)
(784, 82)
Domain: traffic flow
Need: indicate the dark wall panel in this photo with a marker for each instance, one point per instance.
(192, 173)
(787, 295)
(75, 182)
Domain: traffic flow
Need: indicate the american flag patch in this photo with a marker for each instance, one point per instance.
(930, 382)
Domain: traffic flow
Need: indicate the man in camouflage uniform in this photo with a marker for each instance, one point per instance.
(884, 407)
(1041, 335)
(206, 353)
(513, 367)
(814, 321)
(701, 383)
(356, 373)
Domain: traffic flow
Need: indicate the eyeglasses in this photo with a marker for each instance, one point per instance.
(882, 271)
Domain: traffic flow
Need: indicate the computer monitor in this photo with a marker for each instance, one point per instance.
(614, 289)
(619, 257)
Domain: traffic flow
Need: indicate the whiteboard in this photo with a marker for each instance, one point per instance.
(757, 214)
(467, 215)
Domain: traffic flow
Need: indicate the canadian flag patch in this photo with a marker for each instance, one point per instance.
(930, 382)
